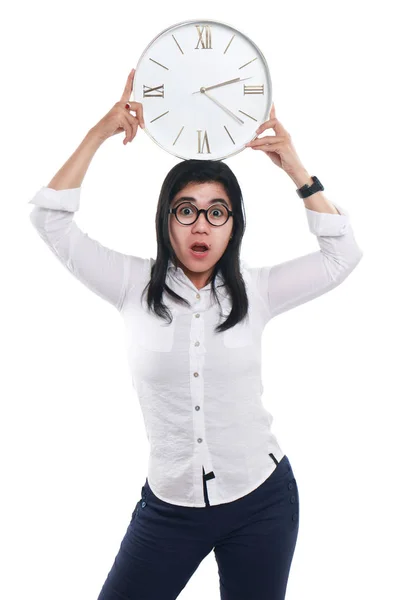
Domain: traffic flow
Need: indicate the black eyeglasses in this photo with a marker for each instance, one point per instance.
(187, 213)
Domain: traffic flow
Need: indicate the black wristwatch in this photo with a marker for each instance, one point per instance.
(307, 190)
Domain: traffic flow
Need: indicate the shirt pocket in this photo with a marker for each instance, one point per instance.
(154, 333)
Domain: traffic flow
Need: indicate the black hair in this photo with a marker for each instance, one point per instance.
(182, 174)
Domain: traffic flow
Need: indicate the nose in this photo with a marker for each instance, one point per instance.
(201, 218)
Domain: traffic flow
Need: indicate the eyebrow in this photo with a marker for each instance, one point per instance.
(221, 200)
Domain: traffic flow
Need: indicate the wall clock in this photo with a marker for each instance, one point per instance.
(205, 88)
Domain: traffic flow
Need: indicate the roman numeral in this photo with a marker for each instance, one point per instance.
(206, 43)
(205, 141)
(253, 89)
(158, 91)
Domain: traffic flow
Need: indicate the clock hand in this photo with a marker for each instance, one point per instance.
(224, 108)
(221, 84)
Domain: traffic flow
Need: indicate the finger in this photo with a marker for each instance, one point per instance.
(132, 130)
(138, 108)
(266, 125)
(128, 129)
(275, 149)
(279, 128)
(272, 114)
(276, 126)
(269, 140)
(267, 149)
(134, 124)
(128, 86)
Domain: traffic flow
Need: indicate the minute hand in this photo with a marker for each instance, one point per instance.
(224, 108)
(220, 84)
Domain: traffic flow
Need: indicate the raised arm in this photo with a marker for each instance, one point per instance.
(294, 282)
(288, 284)
(106, 272)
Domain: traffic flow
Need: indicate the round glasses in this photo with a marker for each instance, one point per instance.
(187, 213)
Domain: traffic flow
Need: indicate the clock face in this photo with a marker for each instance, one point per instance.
(187, 111)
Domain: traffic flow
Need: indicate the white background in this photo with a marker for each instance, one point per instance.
(73, 444)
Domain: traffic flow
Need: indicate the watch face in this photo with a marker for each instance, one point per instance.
(205, 89)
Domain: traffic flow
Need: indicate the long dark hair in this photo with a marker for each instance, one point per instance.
(183, 173)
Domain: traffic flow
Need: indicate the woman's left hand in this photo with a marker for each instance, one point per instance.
(278, 147)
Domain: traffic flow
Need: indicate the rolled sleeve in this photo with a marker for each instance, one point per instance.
(328, 223)
(68, 199)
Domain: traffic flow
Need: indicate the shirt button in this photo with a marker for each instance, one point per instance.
(197, 407)
(199, 440)
(197, 315)
(195, 374)
(197, 295)
(197, 344)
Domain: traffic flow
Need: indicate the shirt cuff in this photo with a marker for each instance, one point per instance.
(328, 223)
(68, 199)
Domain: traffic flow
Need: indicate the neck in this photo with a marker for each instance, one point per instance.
(199, 280)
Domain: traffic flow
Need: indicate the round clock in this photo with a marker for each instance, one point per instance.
(205, 88)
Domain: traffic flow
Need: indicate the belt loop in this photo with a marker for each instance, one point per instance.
(205, 478)
(273, 458)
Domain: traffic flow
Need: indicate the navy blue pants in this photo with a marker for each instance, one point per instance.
(253, 539)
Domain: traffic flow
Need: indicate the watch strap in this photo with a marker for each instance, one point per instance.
(306, 190)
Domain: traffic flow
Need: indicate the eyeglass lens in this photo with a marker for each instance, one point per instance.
(217, 213)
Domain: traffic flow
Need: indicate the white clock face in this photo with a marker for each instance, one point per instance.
(184, 118)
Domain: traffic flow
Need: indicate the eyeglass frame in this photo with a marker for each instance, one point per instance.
(199, 210)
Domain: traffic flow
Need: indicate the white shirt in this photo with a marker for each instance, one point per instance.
(200, 392)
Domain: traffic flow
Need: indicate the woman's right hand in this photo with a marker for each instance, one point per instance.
(119, 118)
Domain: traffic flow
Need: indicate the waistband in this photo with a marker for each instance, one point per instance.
(282, 466)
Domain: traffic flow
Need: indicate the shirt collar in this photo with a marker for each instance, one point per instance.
(180, 274)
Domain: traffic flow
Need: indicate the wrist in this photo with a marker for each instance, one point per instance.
(301, 178)
(92, 137)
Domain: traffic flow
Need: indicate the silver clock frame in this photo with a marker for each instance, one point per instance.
(269, 83)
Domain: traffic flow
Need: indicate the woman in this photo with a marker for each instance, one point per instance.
(218, 479)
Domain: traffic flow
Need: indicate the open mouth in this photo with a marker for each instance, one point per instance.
(199, 248)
